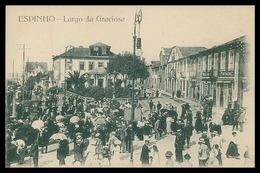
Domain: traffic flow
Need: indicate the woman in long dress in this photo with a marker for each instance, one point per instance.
(115, 160)
(155, 159)
(232, 151)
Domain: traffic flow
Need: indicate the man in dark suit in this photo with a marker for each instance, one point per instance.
(144, 157)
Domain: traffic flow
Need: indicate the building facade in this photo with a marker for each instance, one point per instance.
(219, 72)
(92, 60)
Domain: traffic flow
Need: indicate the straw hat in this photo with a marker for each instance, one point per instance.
(117, 142)
(168, 154)
(187, 156)
(201, 140)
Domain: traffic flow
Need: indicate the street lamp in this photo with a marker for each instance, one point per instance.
(138, 18)
(65, 76)
(113, 86)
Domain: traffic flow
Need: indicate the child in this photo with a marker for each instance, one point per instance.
(169, 162)
(186, 162)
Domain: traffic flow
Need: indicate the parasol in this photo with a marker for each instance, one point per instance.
(100, 121)
(74, 119)
(59, 118)
(58, 136)
(38, 124)
(164, 110)
(114, 110)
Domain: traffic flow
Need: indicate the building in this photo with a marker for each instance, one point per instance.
(93, 59)
(177, 69)
(33, 68)
(220, 72)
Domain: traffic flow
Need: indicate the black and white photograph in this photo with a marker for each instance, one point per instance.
(129, 86)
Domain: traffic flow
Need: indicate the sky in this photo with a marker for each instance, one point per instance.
(161, 26)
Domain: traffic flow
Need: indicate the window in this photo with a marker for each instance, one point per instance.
(231, 60)
(100, 64)
(81, 65)
(199, 63)
(223, 60)
(104, 51)
(209, 62)
(216, 61)
(90, 65)
(204, 63)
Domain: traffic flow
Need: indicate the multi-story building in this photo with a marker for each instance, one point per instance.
(177, 69)
(220, 72)
(93, 60)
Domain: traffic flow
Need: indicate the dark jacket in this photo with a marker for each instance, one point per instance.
(144, 157)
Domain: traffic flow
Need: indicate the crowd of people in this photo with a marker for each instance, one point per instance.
(99, 132)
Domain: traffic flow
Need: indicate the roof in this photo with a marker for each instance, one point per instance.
(77, 52)
(166, 51)
(99, 44)
(30, 66)
(187, 51)
(155, 64)
(239, 39)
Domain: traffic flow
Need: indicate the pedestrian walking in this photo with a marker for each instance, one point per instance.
(249, 160)
(179, 145)
(91, 151)
(232, 150)
(115, 158)
(169, 162)
(213, 161)
(198, 122)
(78, 149)
(144, 157)
(62, 152)
(157, 131)
(155, 159)
(159, 106)
(188, 129)
(186, 161)
(203, 153)
(151, 106)
(242, 119)
(204, 135)
(217, 139)
(20, 144)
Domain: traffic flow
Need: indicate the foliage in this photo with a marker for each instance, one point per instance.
(29, 84)
(98, 92)
(77, 80)
(128, 66)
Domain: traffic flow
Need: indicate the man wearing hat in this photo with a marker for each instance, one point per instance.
(206, 139)
(179, 145)
(144, 157)
(169, 162)
(203, 152)
(186, 162)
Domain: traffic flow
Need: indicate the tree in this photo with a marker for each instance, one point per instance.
(77, 80)
(123, 64)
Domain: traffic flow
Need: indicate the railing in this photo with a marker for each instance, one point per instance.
(81, 97)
